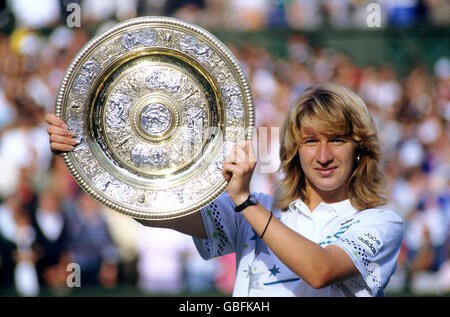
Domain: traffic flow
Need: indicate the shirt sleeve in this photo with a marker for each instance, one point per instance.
(220, 221)
(373, 243)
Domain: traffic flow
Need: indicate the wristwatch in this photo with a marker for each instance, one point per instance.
(251, 201)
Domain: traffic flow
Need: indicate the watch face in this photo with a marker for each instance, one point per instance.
(253, 199)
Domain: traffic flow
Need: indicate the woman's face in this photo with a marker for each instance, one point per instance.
(327, 161)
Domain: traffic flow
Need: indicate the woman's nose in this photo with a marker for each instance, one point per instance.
(325, 154)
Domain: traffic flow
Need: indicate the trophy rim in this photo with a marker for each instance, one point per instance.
(142, 21)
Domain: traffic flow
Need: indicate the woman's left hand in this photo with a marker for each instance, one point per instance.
(238, 171)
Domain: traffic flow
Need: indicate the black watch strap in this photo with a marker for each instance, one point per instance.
(251, 201)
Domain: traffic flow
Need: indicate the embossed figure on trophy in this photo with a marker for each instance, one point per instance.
(165, 80)
(190, 44)
(179, 194)
(158, 158)
(117, 115)
(109, 184)
(132, 83)
(131, 40)
(90, 70)
(155, 158)
(155, 118)
(233, 99)
(87, 74)
(195, 120)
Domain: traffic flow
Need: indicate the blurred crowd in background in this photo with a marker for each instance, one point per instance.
(47, 222)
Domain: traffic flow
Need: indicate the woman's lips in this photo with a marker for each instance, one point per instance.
(326, 171)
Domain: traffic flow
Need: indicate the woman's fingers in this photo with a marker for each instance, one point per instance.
(249, 153)
(237, 171)
(242, 153)
(240, 162)
(61, 138)
(229, 169)
(60, 147)
(56, 130)
(52, 119)
(55, 138)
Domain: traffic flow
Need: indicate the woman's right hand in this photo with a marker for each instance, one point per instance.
(61, 138)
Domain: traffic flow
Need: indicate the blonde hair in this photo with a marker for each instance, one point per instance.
(337, 110)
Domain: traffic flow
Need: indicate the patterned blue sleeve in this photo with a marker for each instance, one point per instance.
(220, 221)
(373, 243)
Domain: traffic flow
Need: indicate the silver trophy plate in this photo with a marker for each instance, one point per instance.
(156, 104)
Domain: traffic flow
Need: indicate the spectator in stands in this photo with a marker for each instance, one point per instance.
(91, 246)
(51, 225)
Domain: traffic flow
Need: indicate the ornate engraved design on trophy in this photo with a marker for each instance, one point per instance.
(80, 86)
(121, 142)
(106, 183)
(131, 40)
(187, 193)
(90, 70)
(141, 198)
(108, 53)
(179, 195)
(132, 83)
(88, 162)
(150, 197)
(86, 76)
(124, 146)
(198, 186)
(120, 190)
(215, 169)
(176, 152)
(164, 79)
(103, 181)
(234, 106)
(155, 118)
(195, 118)
(76, 105)
(150, 157)
(221, 71)
(166, 37)
(191, 91)
(233, 134)
(190, 44)
(117, 111)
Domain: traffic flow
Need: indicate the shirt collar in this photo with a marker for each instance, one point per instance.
(342, 208)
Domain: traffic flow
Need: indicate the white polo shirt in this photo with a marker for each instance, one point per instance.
(372, 238)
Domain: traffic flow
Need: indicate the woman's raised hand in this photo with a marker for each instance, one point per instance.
(238, 171)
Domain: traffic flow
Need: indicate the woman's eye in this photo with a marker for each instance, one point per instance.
(338, 140)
